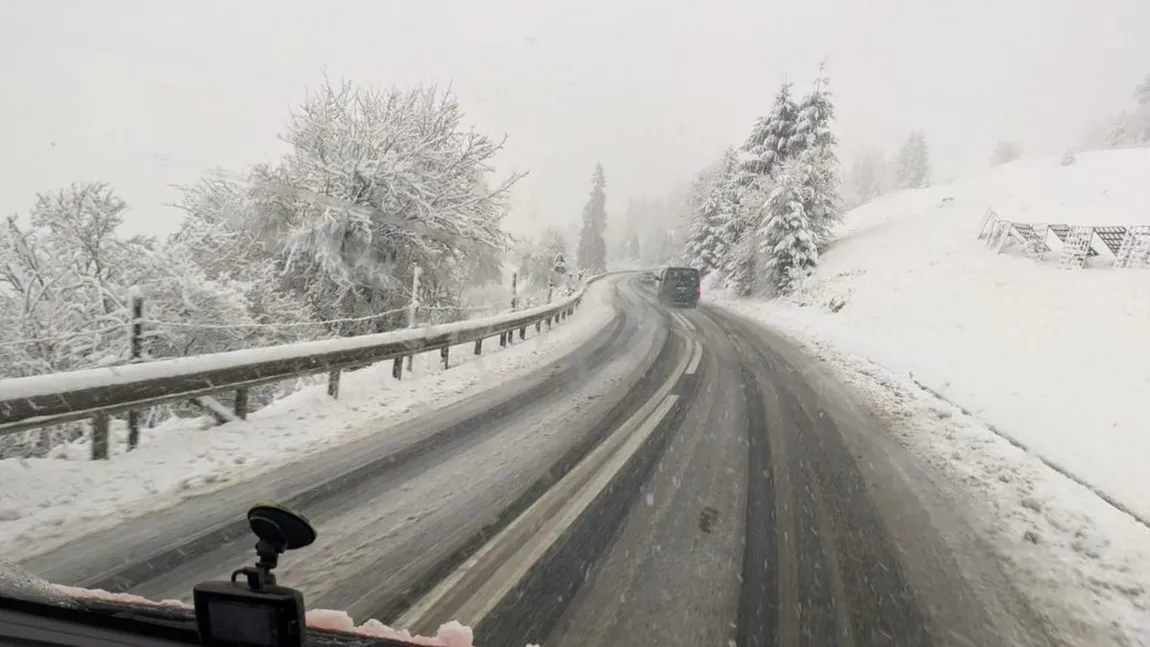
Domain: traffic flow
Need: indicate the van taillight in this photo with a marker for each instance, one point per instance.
(698, 291)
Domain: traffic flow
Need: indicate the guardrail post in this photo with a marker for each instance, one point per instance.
(523, 332)
(549, 323)
(241, 407)
(397, 368)
(478, 346)
(100, 437)
(443, 355)
(539, 326)
(502, 339)
(137, 344)
(333, 383)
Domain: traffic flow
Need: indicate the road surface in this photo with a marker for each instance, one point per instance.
(687, 479)
(760, 526)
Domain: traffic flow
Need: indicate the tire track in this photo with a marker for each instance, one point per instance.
(852, 589)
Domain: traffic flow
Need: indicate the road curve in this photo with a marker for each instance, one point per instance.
(773, 513)
(394, 509)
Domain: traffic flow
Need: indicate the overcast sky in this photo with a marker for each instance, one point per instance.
(148, 93)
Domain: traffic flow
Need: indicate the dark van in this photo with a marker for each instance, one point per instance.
(679, 286)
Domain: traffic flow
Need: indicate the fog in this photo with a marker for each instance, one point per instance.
(149, 93)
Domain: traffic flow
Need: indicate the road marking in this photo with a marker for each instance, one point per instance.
(513, 572)
(501, 563)
(687, 322)
(696, 356)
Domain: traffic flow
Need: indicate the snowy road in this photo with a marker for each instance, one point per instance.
(766, 510)
(768, 522)
(402, 505)
(759, 507)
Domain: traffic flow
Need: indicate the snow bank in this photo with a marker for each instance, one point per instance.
(47, 502)
(1057, 361)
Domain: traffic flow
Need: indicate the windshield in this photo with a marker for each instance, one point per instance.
(585, 323)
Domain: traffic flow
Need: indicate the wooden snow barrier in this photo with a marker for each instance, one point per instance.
(1134, 250)
(1129, 246)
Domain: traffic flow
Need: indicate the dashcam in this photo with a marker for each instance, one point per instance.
(252, 610)
(228, 614)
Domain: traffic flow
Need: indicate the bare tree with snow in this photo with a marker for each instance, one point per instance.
(377, 181)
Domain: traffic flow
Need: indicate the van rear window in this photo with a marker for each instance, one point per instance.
(683, 276)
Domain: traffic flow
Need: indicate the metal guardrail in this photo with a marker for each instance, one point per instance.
(45, 400)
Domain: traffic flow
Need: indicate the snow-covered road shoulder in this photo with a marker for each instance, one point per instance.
(45, 503)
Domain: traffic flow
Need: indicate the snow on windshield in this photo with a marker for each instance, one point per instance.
(17, 583)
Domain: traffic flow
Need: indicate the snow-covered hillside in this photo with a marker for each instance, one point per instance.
(1055, 360)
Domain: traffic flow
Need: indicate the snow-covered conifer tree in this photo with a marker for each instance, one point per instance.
(1005, 151)
(592, 251)
(787, 241)
(770, 142)
(707, 246)
(914, 162)
(864, 179)
(814, 143)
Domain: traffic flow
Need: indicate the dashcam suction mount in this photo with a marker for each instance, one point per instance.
(278, 530)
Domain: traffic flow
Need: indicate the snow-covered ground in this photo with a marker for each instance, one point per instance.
(47, 502)
(1025, 384)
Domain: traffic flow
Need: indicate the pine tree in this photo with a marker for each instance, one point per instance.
(1119, 134)
(707, 248)
(787, 240)
(770, 142)
(813, 120)
(914, 162)
(864, 179)
(1142, 114)
(699, 256)
(814, 143)
(592, 254)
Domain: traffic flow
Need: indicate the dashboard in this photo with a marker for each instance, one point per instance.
(34, 624)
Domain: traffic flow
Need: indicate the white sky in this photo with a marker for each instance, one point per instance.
(147, 93)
